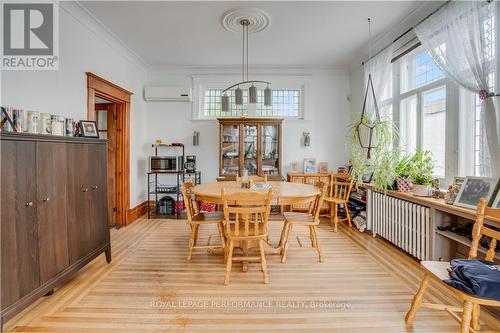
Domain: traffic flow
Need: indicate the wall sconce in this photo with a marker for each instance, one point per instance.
(196, 138)
(307, 139)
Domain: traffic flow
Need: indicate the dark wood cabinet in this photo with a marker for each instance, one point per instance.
(52, 202)
(54, 213)
(20, 268)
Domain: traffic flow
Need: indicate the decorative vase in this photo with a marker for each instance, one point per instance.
(422, 190)
(404, 185)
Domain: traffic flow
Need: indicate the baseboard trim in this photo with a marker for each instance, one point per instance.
(135, 212)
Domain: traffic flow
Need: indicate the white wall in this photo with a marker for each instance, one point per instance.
(84, 48)
(357, 78)
(326, 107)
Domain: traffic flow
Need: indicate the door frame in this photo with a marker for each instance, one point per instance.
(99, 87)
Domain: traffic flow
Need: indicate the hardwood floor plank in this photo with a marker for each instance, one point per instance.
(364, 285)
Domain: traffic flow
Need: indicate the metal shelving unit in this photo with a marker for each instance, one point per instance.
(157, 190)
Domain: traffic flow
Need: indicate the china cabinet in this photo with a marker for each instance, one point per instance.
(251, 144)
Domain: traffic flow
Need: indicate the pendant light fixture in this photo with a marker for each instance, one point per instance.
(245, 81)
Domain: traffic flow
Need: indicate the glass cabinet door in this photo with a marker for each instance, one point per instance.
(230, 139)
(270, 150)
(250, 142)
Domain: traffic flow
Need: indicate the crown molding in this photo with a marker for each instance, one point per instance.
(387, 37)
(254, 70)
(87, 19)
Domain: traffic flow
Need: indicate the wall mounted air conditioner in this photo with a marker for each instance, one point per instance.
(173, 94)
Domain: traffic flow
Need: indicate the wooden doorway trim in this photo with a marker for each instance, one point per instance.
(99, 87)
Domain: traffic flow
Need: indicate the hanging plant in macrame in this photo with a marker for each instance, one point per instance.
(366, 128)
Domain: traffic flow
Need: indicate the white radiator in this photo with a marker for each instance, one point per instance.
(403, 223)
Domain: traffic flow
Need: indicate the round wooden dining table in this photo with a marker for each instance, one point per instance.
(284, 193)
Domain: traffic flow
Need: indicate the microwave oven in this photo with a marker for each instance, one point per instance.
(166, 163)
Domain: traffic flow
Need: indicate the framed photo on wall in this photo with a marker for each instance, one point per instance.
(89, 129)
(310, 165)
(473, 189)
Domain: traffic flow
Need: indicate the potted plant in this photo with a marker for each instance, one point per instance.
(420, 171)
(383, 160)
(403, 182)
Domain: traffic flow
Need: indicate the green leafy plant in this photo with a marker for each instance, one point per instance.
(384, 159)
(421, 168)
(403, 166)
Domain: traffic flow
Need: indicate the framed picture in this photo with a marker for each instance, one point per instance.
(458, 180)
(473, 189)
(89, 129)
(323, 167)
(294, 166)
(495, 198)
(310, 165)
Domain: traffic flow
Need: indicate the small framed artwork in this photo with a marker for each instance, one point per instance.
(89, 129)
(458, 180)
(294, 166)
(310, 165)
(323, 167)
(495, 198)
(473, 189)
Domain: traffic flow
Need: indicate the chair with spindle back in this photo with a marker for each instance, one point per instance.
(340, 190)
(246, 218)
(438, 271)
(260, 179)
(197, 218)
(309, 220)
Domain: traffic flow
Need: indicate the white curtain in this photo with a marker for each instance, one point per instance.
(456, 39)
(380, 69)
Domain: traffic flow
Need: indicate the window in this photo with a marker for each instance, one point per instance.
(212, 104)
(422, 107)
(417, 70)
(471, 141)
(434, 126)
(425, 104)
(286, 103)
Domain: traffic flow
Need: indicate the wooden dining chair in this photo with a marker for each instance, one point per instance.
(309, 220)
(340, 190)
(197, 218)
(438, 270)
(246, 218)
(260, 179)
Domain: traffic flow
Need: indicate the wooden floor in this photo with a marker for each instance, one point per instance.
(365, 285)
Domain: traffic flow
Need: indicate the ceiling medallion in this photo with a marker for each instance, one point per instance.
(257, 18)
(245, 23)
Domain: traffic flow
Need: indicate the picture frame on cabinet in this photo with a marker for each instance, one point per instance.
(310, 165)
(294, 167)
(323, 167)
(89, 129)
(495, 198)
(473, 189)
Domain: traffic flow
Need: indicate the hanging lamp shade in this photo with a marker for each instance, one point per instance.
(225, 103)
(252, 94)
(267, 96)
(238, 96)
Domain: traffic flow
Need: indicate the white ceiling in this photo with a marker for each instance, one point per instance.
(165, 33)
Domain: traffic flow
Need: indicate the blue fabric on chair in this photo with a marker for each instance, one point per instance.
(475, 277)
